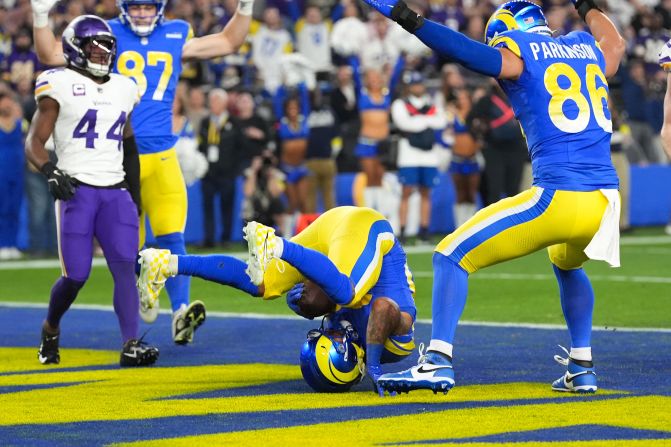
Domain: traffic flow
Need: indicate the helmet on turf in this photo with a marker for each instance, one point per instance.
(331, 360)
(88, 44)
(141, 29)
(517, 14)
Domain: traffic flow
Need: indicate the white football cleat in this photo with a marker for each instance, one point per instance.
(153, 274)
(261, 243)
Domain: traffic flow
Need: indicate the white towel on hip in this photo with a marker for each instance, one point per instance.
(605, 245)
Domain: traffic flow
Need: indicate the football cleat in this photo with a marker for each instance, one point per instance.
(153, 274)
(186, 320)
(261, 243)
(48, 353)
(138, 353)
(433, 372)
(580, 376)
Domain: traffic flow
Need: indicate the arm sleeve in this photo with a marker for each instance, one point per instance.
(131, 166)
(459, 48)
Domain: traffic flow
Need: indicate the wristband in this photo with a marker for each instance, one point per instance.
(406, 17)
(245, 7)
(585, 6)
(40, 20)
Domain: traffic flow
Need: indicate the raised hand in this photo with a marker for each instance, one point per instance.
(41, 10)
(294, 297)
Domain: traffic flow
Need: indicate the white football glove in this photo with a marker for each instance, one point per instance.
(245, 7)
(665, 57)
(41, 10)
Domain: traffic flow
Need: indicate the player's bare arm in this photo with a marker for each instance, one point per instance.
(225, 42)
(665, 63)
(49, 49)
(61, 185)
(610, 41)
(41, 127)
(666, 127)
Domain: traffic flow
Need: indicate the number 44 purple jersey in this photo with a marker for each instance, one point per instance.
(89, 128)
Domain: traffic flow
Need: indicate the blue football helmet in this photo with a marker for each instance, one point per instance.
(522, 15)
(331, 361)
(141, 30)
(88, 44)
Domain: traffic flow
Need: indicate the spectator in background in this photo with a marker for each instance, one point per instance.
(374, 93)
(292, 112)
(264, 185)
(504, 148)
(196, 107)
(419, 120)
(645, 147)
(312, 41)
(466, 162)
(344, 103)
(319, 160)
(12, 161)
(449, 13)
(192, 163)
(219, 141)
(619, 139)
(255, 133)
(350, 33)
(268, 45)
(22, 62)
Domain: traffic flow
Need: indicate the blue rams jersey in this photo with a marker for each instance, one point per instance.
(561, 101)
(154, 63)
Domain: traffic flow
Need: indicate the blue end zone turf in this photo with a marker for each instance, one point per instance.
(634, 363)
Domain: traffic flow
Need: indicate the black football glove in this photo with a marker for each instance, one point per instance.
(61, 185)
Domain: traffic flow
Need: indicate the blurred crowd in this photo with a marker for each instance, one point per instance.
(280, 119)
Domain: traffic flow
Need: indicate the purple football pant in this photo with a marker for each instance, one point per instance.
(111, 217)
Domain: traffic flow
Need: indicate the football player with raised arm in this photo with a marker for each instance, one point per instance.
(665, 63)
(96, 182)
(558, 89)
(150, 51)
(349, 254)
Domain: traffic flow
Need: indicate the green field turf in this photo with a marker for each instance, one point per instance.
(522, 291)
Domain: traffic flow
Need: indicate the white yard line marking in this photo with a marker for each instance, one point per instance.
(258, 316)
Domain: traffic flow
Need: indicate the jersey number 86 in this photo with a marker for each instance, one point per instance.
(597, 100)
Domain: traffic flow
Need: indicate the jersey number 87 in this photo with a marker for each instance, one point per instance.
(597, 97)
(138, 64)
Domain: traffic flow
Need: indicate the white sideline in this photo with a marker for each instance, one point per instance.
(417, 249)
(258, 316)
(546, 277)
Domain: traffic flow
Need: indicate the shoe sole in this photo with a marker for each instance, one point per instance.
(405, 386)
(148, 312)
(254, 270)
(578, 390)
(194, 317)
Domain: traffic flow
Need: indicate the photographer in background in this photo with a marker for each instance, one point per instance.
(264, 186)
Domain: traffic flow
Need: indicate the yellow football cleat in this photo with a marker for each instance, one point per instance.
(153, 274)
(261, 243)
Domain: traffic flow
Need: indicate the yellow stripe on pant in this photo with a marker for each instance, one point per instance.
(562, 221)
(344, 235)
